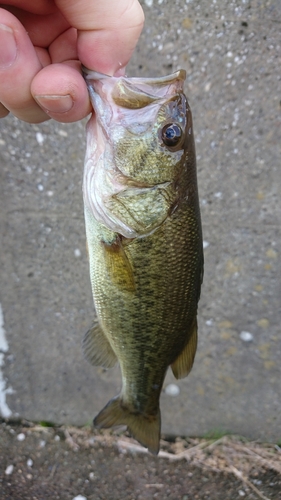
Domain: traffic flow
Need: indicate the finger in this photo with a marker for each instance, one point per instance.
(64, 47)
(42, 29)
(108, 31)
(3, 111)
(43, 56)
(62, 92)
(18, 66)
(38, 7)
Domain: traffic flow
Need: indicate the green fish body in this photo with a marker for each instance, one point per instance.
(144, 240)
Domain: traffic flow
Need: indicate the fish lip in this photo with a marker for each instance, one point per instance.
(161, 80)
(133, 92)
(92, 74)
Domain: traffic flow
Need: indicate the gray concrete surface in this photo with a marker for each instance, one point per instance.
(231, 51)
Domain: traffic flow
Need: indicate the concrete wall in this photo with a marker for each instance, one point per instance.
(231, 51)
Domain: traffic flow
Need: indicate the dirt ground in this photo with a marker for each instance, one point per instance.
(39, 462)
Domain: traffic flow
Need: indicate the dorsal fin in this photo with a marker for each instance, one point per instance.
(183, 364)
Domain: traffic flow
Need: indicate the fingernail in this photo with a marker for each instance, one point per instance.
(55, 103)
(8, 46)
(120, 71)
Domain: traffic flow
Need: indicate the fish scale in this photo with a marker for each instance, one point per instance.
(145, 287)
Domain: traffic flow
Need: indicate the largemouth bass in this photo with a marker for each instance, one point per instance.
(144, 240)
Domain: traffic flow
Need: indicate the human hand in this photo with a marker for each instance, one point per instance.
(42, 44)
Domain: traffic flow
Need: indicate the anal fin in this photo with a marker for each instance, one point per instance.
(184, 362)
(96, 348)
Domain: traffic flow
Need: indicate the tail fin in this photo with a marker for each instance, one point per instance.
(146, 429)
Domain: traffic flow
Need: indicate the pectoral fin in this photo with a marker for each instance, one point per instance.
(96, 348)
(183, 364)
(118, 265)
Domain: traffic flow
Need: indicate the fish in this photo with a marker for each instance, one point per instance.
(144, 239)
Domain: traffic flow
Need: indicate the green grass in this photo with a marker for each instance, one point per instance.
(216, 434)
(45, 423)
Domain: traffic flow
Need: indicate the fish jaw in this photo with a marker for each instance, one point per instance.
(111, 185)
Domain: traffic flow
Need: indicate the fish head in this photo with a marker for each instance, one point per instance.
(138, 142)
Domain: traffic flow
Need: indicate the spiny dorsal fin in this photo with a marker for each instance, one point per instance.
(183, 364)
(96, 348)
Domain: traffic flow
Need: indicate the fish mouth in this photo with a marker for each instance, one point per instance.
(116, 200)
(180, 75)
(135, 92)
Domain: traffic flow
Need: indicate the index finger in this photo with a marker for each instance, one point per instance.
(108, 31)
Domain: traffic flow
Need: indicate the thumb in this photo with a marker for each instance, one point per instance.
(108, 31)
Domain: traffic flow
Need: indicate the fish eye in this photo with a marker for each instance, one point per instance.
(171, 134)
